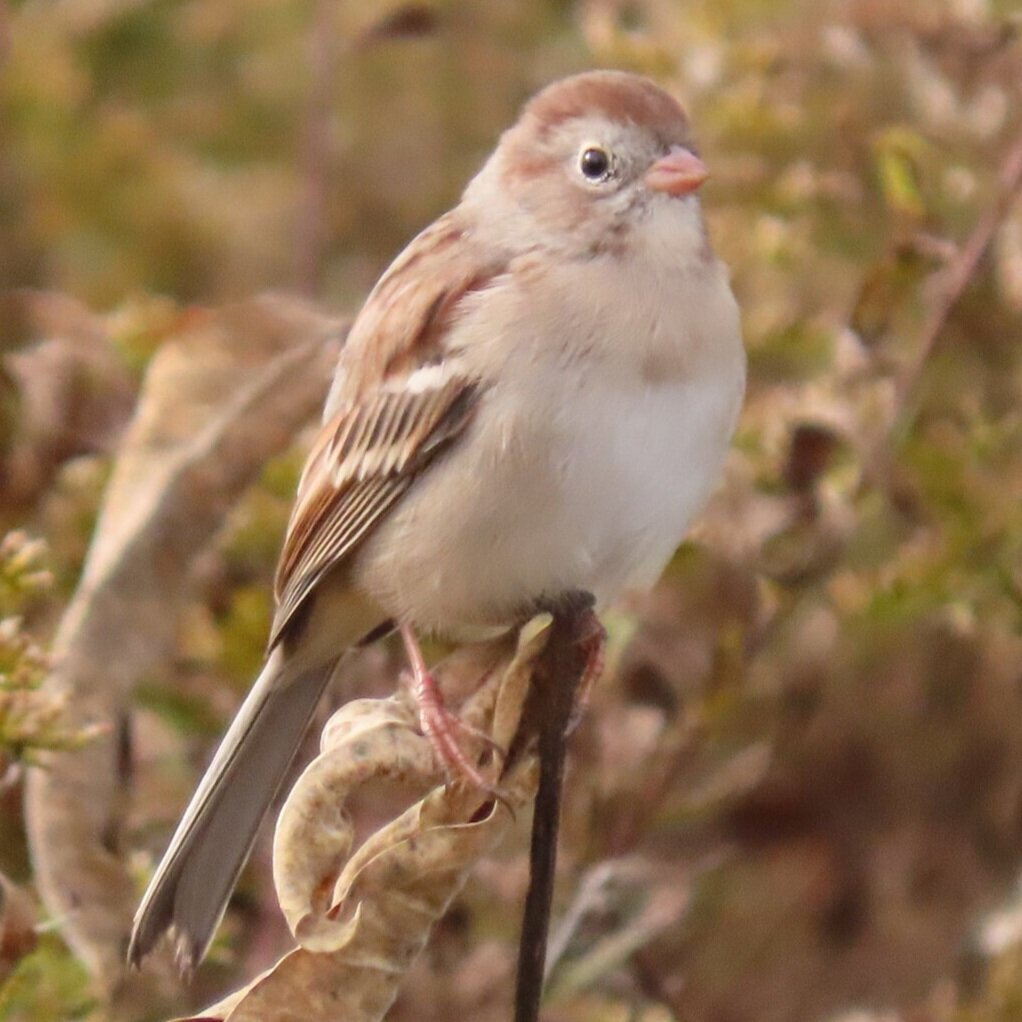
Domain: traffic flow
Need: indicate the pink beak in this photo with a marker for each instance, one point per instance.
(678, 173)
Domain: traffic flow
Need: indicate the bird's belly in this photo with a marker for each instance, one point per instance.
(592, 493)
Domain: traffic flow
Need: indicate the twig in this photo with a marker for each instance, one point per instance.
(550, 705)
(955, 278)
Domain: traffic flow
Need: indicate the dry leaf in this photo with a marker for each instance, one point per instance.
(362, 919)
(231, 390)
(74, 393)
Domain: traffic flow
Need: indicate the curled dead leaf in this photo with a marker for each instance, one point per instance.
(362, 918)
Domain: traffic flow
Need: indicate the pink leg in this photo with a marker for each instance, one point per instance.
(437, 722)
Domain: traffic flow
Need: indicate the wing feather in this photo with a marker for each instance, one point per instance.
(397, 402)
(372, 455)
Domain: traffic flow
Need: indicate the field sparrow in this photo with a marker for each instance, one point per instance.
(536, 397)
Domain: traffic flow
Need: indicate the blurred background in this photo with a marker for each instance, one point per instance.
(798, 794)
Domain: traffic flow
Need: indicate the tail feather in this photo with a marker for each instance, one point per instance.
(192, 885)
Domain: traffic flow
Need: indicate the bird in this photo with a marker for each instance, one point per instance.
(536, 397)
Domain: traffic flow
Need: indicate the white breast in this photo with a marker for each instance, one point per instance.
(644, 460)
(600, 437)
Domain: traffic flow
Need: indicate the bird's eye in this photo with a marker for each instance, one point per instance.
(594, 164)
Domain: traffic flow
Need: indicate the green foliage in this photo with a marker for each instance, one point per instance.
(47, 985)
(30, 719)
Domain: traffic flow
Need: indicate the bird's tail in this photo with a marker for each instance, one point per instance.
(192, 885)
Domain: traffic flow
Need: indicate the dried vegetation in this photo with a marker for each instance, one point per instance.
(798, 792)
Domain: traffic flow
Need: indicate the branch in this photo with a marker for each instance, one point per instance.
(552, 703)
(951, 283)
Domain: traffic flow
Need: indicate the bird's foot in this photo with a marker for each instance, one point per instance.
(440, 726)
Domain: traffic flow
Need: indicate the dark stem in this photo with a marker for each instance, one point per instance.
(548, 714)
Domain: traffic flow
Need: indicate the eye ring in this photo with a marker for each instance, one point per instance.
(594, 164)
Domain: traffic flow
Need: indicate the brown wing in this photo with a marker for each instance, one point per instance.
(383, 430)
(403, 324)
(367, 458)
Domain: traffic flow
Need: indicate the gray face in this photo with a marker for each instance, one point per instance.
(569, 175)
(584, 181)
(606, 161)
